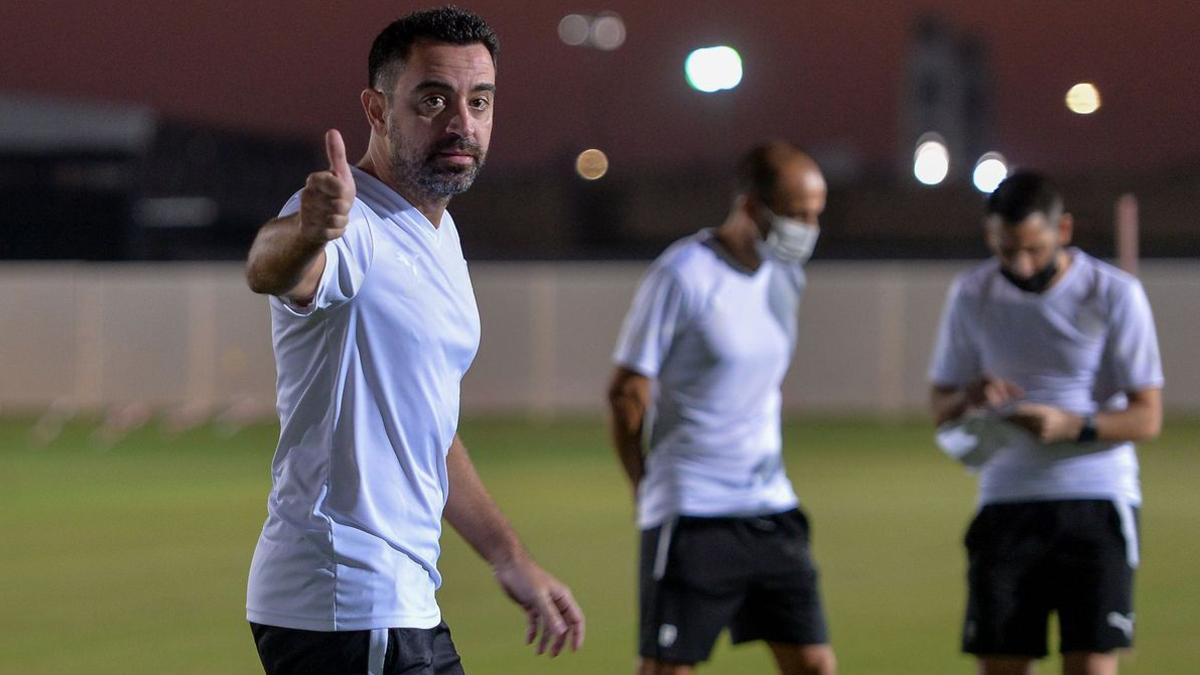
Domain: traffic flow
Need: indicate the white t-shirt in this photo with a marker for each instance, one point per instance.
(717, 340)
(1078, 346)
(368, 399)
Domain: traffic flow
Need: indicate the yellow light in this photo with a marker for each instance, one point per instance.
(591, 164)
(1083, 98)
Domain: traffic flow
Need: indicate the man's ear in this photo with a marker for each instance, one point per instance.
(375, 107)
(1066, 228)
(743, 203)
(991, 233)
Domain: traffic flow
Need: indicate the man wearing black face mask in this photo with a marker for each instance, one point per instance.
(1047, 362)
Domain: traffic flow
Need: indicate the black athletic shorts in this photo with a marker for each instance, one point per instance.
(753, 575)
(1028, 559)
(387, 651)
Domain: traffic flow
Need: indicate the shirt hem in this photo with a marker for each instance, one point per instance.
(325, 624)
(782, 507)
(1112, 495)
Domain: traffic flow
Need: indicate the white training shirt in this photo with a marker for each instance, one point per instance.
(717, 340)
(1077, 346)
(368, 400)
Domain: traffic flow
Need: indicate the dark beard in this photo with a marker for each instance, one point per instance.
(427, 177)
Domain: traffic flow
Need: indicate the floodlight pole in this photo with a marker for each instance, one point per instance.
(1125, 216)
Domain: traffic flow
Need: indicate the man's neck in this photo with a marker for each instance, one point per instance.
(739, 237)
(431, 207)
(1064, 260)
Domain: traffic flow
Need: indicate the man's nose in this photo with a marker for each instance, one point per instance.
(461, 123)
(1022, 264)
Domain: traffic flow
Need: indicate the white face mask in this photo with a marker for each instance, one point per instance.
(790, 239)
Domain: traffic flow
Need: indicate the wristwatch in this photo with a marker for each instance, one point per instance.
(1087, 433)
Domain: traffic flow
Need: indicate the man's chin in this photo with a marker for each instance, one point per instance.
(448, 183)
(445, 170)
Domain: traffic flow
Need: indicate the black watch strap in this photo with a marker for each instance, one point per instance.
(1088, 432)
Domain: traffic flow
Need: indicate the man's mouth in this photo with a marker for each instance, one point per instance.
(457, 157)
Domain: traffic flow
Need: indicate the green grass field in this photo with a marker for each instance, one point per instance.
(132, 558)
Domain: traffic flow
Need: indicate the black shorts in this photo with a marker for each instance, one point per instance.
(754, 575)
(1028, 559)
(388, 651)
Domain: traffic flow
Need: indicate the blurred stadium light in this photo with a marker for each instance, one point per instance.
(713, 69)
(989, 171)
(931, 161)
(605, 31)
(573, 29)
(1083, 98)
(608, 32)
(591, 164)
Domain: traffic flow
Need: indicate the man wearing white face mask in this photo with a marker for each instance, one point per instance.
(699, 364)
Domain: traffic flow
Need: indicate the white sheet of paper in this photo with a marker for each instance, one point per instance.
(973, 438)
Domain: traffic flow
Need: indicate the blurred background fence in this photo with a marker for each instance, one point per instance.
(189, 339)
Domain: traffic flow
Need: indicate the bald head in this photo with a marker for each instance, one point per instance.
(781, 177)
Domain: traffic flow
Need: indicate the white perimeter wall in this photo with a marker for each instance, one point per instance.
(173, 335)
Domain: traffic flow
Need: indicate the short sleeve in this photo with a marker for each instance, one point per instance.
(955, 360)
(347, 260)
(656, 316)
(1131, 352)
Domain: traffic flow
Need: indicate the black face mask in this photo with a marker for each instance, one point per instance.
(1038, 282)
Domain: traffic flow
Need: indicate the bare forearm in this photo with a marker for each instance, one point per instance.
(281, 258)
(625, 429)
(288, 254)
(628, 400)
(1140, 421)
(474, 514)
(548, 603)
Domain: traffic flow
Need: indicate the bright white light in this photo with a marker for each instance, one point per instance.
(713, 69)
(931, 161)
(608, 32)
(989, 171)
(573, 29)
(1083, 98)
(591, 164)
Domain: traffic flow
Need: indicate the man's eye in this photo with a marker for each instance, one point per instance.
(481, 103)
(434, 102)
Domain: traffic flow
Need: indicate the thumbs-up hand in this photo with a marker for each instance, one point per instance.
(328, 195)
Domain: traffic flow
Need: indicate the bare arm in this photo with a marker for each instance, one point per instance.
(1141, 420)
(628, 401)
(547, 602)
(288, 254)
(282, 262)
(473, 512)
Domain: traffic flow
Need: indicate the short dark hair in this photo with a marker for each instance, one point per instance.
(1023, 194)
(443, 24)
(758, 169)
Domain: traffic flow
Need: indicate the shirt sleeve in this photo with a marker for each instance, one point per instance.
(347, 260)
(656, 317)
(1131, 351)
(955, 360)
